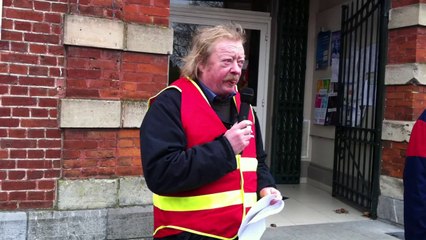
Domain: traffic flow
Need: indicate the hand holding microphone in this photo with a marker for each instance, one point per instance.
(240, 134)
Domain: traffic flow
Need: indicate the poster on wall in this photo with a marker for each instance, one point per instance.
(323, 45)
(325, 112)
(335, 45)
(335, 55)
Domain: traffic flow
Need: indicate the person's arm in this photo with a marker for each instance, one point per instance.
(168, 166)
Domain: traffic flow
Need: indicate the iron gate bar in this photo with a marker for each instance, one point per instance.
(360, 112)
(287, 122)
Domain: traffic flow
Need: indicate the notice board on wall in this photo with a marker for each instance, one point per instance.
(326, 102)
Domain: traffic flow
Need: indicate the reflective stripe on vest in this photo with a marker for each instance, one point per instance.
(210, 201)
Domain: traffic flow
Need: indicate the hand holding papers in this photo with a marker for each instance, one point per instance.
(254, 224)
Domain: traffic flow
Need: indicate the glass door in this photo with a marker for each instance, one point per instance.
(185, 19)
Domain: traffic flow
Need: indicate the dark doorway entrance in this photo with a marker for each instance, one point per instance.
(289, 87)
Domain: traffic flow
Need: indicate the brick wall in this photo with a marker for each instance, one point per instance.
(406, 99)
(31, 83)
(37, 70)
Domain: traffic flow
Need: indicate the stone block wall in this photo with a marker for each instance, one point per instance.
(405, 99)
(75, 77)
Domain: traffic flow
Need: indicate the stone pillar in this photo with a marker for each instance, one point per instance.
(405, 99)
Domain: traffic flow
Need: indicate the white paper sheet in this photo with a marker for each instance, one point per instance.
(254, 224)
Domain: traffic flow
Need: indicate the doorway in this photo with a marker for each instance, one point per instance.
(185, 19)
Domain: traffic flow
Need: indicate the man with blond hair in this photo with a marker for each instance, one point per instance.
(205, 168)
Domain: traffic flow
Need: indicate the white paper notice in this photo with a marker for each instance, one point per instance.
(254, 224)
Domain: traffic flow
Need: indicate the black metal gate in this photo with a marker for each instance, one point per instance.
(289, 90)
(361, 82)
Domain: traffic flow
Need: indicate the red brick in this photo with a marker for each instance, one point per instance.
(9, 122)
(35, 154)
(3, 175)
(4, 90)
(8, 79)
(4, 67)
(52, 173)
(53, 18)
(18, 143)
(21, 112)
(56, 163)
(18, 69)
(89, 172)
(5, 112)
(35, 174)
(56, 50)
(16, 175)
(125, 133)
(50, 195)
(11, 35)
(38, 71)
(22, 26)
(34, 164)
(7, 164)
(36, 195)
(19, 58)
(37, 81)
(53, 133)
(46, 184)
(78, 144)
(18, 154)
(71, 164)
(36, 133)
(162, 3)
(9, 205)
(14, 196)
(401, 3)
(3, 195)
(18, 47)
(42, 6)
(28, 15)
(35, 204)
(42, 38)
(49, 143)
(83, 73)
(5, 45)
(38, 91)
(39, 123)
(18, 90)
(18, 185)
(53, 153)
(49, 60)
(84, 52)
(48, 102)
(59, 7)
(39, 112)
(22, 4)
(17, 133)
(106, 172)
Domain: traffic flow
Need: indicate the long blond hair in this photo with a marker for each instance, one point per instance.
(202, 43)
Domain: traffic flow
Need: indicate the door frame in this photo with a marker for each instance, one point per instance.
(249, 20)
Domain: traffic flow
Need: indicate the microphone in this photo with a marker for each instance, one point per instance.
(246, 95)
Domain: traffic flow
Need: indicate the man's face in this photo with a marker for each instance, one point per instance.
(222, 70)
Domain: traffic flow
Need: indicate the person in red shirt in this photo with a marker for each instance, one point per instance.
(415, 182)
